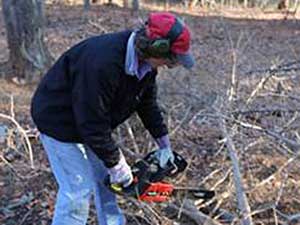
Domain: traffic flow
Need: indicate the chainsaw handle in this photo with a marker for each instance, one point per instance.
(116, 188)
(119, 189)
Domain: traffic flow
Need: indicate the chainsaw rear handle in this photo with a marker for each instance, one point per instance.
(119, 189)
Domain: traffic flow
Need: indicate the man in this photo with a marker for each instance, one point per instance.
(91, 89)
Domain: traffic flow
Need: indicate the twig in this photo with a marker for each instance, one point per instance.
(11, 167)
(131, 154)
(130, 132)
(234, 83)
(203, 181)
(23, 132)
(289, 123)
(275, 216)
(233, 87)
(281, 95)
(268, 179)
(222, 180)
(285, 67)
(147, 209)
(263, 208)
(277, 137)
(12, 111)
(280, 192)
(26, 215)
(26, 198)
(292, 217)
(97, 25)
(292, 144)
(172, 132)
(259, 86)
(264, 111)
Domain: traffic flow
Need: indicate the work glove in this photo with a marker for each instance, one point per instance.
(121, 173)
(163, 156)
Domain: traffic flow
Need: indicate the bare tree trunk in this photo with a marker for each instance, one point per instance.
(125, 4)
(283, 4)
(97, 1)
(222, 3)
(166, 5)
(296, 5)
(135, 5)
(87, 5)
(24, 21)
(192, 4)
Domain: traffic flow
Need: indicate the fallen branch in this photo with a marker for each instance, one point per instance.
(285, 67)
(264, 111)
(21, 130)
(172, 132)
(295, 146)
(272, 176)
(188, 209)
(258, 87)
(26, 198)
(290, 218)
(131, 135)
(242, 200)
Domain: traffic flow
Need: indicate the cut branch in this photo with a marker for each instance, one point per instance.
(12, 119)
(242, 200)
(189, 210)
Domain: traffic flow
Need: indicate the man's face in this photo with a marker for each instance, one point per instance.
(160, 62)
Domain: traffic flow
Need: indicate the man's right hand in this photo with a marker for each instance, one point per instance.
(121, 173)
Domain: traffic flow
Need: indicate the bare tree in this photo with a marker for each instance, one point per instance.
(283, 4)
(135, 5)
(166, 4)
(125, 3)
(24, 22)
(193, 3)
(87, 5)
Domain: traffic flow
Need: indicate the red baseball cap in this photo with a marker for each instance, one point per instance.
(158, 26)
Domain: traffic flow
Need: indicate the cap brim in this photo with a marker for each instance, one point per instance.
(187, 60)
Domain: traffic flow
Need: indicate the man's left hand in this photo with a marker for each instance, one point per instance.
(164, 155)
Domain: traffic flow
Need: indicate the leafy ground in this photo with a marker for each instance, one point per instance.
(257, 54)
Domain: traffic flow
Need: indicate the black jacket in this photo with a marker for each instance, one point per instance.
(86, 94)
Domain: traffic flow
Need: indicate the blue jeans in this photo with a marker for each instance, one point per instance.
(80, 173)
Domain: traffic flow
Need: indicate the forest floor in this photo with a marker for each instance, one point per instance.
(259, 55)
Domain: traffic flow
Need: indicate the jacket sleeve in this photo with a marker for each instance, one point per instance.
(92, 94)
(150, 113)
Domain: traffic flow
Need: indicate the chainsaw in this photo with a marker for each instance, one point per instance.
(149, 183)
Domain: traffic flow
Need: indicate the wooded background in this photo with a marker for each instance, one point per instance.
(25, 21)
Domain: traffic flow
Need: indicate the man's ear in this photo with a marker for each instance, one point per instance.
(142, 47)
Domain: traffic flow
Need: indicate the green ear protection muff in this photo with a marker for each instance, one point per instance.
(161, 47)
